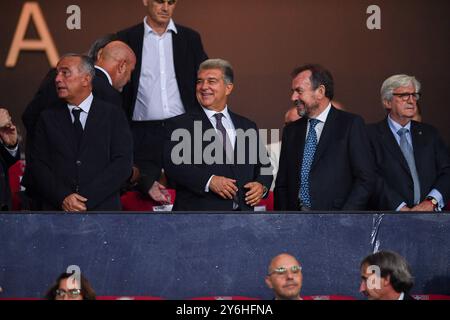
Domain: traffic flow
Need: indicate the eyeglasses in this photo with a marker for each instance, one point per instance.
(405, 96)
(169, 2)
(71, 293)
(280, 271)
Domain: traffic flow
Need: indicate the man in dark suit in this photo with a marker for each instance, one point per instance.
(162, 86)
(386, 275)
(83, 147)
(228, 173)
(114, 63)
(9, 154)
(413, 162)
(325, 160)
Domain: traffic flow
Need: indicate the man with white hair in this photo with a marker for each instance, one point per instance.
(413, 162)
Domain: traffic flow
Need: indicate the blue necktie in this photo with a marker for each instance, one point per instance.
(408, 153)
(308, 157)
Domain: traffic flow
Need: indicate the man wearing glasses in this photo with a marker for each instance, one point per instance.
(162, 86)
(413, 163)
(285, 277)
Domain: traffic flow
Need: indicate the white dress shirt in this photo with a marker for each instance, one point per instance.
(85, 106)
(229, 126)
(322, 119)
(158, 96)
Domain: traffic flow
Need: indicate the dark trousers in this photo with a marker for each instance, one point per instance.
(148, 137)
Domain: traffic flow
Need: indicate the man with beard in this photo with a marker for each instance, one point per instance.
(413, 163)
(325, 160)
(285, 277)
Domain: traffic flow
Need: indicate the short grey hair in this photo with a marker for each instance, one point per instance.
(393, 265)
(395, 81)
(225, 66)
(86, 65)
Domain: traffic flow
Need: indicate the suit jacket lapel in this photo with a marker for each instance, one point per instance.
(326, 136)
(63, 122)
(137, 43)
(92, 123)
(179, 51)
(419, 144)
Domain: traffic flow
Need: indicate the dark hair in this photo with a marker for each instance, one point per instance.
(319, 76)
(224, 65)
(87, 291)
(393, 265)
(99, 44)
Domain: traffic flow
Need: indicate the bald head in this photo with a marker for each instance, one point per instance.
(119, 60)
(291, 115)
(285, 277)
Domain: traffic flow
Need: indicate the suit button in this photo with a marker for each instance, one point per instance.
(78, 163)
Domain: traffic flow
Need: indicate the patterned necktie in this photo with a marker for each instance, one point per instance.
(78, 128)
(227, 148)
(308, 156)
(408, 153)
(225, 139)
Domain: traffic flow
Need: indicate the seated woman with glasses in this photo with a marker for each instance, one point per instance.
(67, 287)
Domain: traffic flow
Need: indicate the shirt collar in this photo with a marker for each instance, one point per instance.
(324, 115)
(402, 296)
(210, 113)
(395, 126)
(106, 74)
(85, 106)
(170, 27)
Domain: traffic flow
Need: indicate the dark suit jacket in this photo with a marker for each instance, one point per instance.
(6, 161)
(191, 179)
(47, 97)
(95, 171)
(342, 172)
(394, 181)
(188, 54)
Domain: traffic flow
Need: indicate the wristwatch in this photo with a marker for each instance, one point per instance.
(434, 202)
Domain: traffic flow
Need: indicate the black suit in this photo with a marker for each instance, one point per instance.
(394, 181)
(342, 172)
(6, 161)
(191, 179)
(46, 97)
(95, 171)
(188, 54)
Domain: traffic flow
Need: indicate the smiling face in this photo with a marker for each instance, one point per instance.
(159, 12)
(305, 98)
(211, 90)
(400, 109)
(285, 277)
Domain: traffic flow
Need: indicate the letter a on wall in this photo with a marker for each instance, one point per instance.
(31, 10)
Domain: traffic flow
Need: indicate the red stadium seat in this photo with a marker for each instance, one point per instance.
(268, 202)
(129, 298)
(15, 175)
(225, 298)
(329, 297)
(135, 201)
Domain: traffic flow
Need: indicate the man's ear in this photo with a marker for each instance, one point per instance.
(122, 66)
(387, 104)
(87, 80)
(229, 88)
(269, 283)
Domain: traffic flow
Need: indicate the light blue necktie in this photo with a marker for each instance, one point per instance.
(308, 157)
(408, 153)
